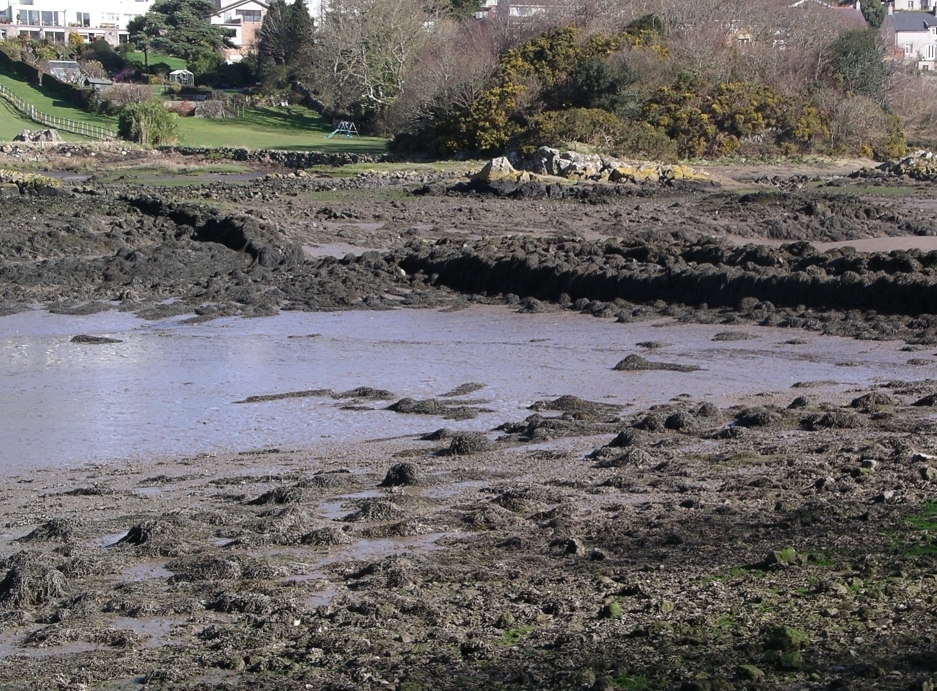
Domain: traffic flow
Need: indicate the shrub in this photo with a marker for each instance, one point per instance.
(148, 123)
(858, 63)
(127, 94)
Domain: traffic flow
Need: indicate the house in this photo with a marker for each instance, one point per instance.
(911, 37)
(90, 19)
(242, 20)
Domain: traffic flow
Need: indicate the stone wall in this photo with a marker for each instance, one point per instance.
(289, 159)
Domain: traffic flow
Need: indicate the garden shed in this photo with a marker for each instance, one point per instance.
(182, 77)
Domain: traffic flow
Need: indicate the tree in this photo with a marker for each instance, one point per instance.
(874, 13)
(300, 33)
(274, 34)
(148, 123)
(139, 35)
(858, 62)
(180, 28)
(365, 50)
(286, 40)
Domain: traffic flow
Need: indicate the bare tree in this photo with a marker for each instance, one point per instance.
(365, 51)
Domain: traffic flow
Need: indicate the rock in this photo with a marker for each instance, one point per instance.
(611, 610)
(466, 443)
(785, 638)
(48, 135)
(868, 463)
(885, 496)
(636, 363)
(791, 660)
(788, 555)
(497, 170)
(928, 473)
(403, 475)
(574, 546)
(799, 402)
(757, 417)
(749, 673)
(872, 400)
(93, 340)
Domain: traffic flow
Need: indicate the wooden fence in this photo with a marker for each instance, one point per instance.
(83, 128)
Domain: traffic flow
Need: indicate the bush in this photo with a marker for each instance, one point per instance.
(603, 130)
(148, 123)
(858, 63)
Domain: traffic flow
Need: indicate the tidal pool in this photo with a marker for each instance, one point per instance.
(170, 388)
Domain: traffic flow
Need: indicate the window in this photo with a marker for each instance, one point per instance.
(28, 17)
(47, 18)
(929, 51)
(83, 18)
(55, 36)
(249, 15)
(908, 50)
(910, 4)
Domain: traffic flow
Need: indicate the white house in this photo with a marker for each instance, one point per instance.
(242, 19)
(55, 19)
(912, 37)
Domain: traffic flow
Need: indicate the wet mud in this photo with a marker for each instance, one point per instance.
(717, 536)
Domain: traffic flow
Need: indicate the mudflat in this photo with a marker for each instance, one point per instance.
(709, 533)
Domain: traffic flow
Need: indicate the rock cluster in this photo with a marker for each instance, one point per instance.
(546, 162)
(920, 165)
(38, 136)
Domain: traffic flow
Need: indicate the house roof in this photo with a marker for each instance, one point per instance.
(239, 3)
(911, 21)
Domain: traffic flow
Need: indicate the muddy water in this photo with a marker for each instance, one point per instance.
(171, 388)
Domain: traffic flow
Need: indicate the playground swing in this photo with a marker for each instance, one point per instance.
(346, 127)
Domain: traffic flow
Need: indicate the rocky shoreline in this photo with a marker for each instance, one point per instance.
(785, 541)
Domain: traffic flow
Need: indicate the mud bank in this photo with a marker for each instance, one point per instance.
(685, 270)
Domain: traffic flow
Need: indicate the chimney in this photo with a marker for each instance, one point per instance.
(858, 6)
(891, 8)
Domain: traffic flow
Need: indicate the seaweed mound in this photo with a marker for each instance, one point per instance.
(403, 474)
(31, 582)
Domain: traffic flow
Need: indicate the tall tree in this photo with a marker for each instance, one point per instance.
(138, 35)
(300, 34)
(274, 34)
(180, 28)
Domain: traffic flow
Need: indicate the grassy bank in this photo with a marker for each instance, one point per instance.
(293, 128)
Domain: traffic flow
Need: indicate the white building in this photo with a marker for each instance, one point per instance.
(912, 37)
(242, 20)
(55, 19)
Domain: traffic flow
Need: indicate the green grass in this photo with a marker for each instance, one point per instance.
(11, 123)
(50, 104)
(174, 63)
(927, 520)
(292, 128)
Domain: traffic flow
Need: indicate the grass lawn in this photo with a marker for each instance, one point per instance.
(174, 63)
(292, 127)
(11, 123)
(50, 104)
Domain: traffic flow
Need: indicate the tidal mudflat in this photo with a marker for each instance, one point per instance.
(617, 450)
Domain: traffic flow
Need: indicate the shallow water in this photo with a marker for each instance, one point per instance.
(170, 388)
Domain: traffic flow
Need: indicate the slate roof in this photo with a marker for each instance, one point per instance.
(912, 21)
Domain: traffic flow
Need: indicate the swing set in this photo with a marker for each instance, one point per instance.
(346, 127)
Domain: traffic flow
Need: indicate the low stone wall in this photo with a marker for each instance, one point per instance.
(289, 159)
